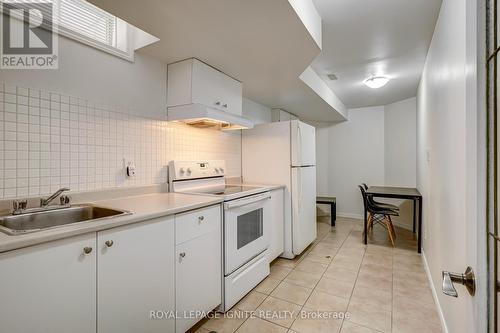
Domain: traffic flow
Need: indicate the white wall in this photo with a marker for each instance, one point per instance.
(355, 154)
(442, 174)
(401, 143)
(74, 126)
(98, 76)
(377, 145)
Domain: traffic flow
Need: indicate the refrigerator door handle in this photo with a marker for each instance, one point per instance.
(299, 145)
(300, 191)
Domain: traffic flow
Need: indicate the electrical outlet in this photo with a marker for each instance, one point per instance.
(131, 169)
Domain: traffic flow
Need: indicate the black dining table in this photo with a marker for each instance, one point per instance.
(407, 193)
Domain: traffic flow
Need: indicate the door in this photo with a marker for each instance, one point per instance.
(135, 277)
(198, 277)
(303, 144)
(49, 287)
(245, 223)
(303, 208)
(493, 165)
(451, 109)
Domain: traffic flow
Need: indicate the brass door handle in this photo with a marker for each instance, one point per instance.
(109, 243)
(468, 279)
(87, 250)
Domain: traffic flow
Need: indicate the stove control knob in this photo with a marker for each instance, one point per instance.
(189, 171)
(181, 171)
(221, 170)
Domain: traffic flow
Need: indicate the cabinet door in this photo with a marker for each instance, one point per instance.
(198, 278)
(285, 116)
(276, 225)
(49, 287)
(232, 95)
(207, 85)
(135, 277)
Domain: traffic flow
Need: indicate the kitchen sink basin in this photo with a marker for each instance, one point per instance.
(43, 220)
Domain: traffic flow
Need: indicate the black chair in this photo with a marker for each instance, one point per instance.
(380, 204)
(378, 214)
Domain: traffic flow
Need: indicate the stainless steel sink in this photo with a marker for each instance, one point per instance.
(38, 221)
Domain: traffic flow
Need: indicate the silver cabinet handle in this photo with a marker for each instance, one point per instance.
(201, 218)
(182, 254)
(247, 201)
(468, 279)
(109, 243)
(87, 250)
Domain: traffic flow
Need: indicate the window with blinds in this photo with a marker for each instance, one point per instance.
(81, 17)
(86, 23)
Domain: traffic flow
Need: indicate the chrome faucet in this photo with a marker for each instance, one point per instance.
(47, 201)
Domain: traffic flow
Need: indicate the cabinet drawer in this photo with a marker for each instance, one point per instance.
(196, 223)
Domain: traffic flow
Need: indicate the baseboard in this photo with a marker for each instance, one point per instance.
(351, 216)
(434, 294)
(404, 226)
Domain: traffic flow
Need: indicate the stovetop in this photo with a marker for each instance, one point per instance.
(229, 192)
(207, 178)
(232, 189)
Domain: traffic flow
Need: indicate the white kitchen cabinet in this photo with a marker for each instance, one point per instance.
(276, 225)
(49, 287)
(135, 277)
(198, 268)
(192, 81)
(281, 115)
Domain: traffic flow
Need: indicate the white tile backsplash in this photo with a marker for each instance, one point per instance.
(50, 140)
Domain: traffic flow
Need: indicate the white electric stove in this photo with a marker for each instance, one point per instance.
(246, 218)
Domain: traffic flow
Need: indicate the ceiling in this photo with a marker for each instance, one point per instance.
(382, 37)
(262, 43)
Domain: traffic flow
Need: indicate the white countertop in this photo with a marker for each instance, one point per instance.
(144, 207)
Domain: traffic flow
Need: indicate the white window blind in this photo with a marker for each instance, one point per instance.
(86, 23)
(86, 19)
(81, 20)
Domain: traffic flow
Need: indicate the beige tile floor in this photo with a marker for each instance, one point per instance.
(380, 288)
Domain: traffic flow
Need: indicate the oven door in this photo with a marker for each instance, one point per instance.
(245, 230)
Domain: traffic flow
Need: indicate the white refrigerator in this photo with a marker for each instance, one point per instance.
(285, 153)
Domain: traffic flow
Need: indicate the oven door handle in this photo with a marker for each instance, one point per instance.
(247, 201)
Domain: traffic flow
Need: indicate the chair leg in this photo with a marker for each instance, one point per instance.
(392, 227)
(389, 229)
(370, 222)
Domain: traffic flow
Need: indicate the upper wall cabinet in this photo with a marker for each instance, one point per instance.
(192, 81)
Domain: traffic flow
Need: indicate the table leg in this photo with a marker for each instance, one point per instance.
(420, 225)
(414, 214)
(365, 228)
(333, 213)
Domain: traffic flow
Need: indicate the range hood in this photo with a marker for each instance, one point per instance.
(202, 116)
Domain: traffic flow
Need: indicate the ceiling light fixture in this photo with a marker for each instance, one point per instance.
(376, 82)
